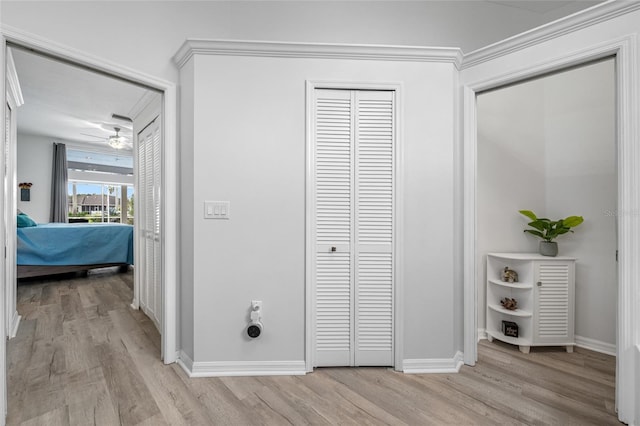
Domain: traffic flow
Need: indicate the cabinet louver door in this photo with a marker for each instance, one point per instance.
(553, 298)
(353, 227)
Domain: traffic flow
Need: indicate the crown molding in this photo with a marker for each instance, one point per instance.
(145, 100)
(585, 18)
(193, 47)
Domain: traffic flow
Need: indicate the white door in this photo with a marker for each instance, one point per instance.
(353, 213)
(149, 261)
(554, 307)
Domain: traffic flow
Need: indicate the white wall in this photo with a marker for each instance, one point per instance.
(511, 172)
(187, 210)
(249, 148)
(153, 31)
(581, 178)
(548, 145)
(35, 157)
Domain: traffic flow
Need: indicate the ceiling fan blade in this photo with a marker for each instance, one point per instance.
(109, 127)
(93, 136)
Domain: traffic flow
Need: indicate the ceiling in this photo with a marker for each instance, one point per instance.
(70, 103)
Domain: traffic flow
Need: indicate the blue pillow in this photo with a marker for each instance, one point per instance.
(25, 221)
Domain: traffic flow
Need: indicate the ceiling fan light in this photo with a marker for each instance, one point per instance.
(116, 142)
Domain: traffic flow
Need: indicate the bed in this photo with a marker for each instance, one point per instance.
(54, 248)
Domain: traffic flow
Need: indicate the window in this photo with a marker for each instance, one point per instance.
(100, 186)
(100, 202)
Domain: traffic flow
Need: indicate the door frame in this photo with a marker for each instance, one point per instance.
(169, 207)
(628, 157)
(398, 214)
(14, 100)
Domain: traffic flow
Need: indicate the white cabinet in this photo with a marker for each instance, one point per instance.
(545, 299)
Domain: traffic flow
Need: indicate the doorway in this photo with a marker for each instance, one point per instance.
(627, 158)
(97, 121)
(169, 175)
(168, 165)
(548, 144)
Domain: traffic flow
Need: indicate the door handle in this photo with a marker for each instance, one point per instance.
(334, 248)
(539, 283)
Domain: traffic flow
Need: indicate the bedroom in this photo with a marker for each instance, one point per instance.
(86, 116)
(275, 281)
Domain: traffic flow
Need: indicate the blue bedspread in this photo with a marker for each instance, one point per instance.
(58, 244)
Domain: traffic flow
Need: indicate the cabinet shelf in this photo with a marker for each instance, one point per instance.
(521, 286)
(514, 313)
(520, 341)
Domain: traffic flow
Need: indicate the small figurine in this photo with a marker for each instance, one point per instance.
(509, 303)
(509, 275)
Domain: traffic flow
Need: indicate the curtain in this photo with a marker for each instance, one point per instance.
(59, 184)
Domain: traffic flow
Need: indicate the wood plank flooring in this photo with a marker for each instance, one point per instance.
(82, 356)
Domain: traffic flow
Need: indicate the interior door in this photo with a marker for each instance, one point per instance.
(149, 262)
(353, 227)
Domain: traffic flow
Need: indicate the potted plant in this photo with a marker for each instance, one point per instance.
(548, 230)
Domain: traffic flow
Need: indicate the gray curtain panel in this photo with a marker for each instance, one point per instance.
(59, 184)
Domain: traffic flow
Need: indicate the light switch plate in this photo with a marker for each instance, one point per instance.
(217, 209)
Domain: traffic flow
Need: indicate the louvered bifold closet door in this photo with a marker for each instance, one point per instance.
(374, 207)
(150, 262)
(157, 245)
(553, 295)
(333, 227)
(140, 200)
(353, 227)
(148, 215)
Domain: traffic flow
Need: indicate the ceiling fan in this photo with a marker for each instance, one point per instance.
(116, 141)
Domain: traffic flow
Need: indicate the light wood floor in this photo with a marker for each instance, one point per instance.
(83, 357)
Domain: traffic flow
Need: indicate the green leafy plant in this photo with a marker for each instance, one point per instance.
(548, 229)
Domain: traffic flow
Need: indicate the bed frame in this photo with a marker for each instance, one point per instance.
(28, 271)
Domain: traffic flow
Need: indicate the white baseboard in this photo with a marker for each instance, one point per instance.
(185, 362)
(596, 345)
(15, 323)
(240, 368)
(582, 342)
(482, 334)
(437, 365)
